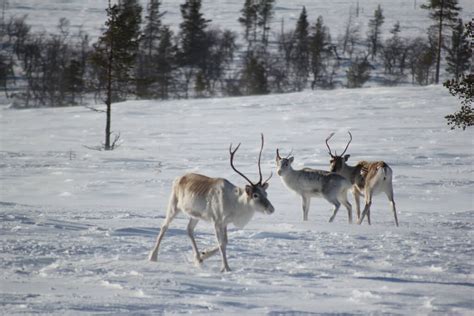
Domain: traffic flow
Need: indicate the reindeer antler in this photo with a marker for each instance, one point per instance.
(232, 153)
(329, 148)
(278, 154)
(259, 158)
(335, 154)
(347, 146)
(287, 156)
(259, 166)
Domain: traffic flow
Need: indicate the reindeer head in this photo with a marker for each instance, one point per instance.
(256, 192)
(338, 162)
(283, 164)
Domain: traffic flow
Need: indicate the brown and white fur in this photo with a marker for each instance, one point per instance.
(214, 200)
(368, 178)
(309, 183)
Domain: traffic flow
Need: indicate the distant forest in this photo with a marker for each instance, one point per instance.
(138, 56)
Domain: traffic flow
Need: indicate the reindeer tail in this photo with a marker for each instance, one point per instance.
(384, 169)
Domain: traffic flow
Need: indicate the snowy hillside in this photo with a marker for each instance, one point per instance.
(77, 224)
(90, 14)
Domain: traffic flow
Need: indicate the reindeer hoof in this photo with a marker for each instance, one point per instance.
(198, 258)
(152, 258)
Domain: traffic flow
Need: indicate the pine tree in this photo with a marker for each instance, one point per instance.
(74, 82)
(127, 46)
(351, 36)
(358, 73)
(254, 77)
(6, 72)
(459, 53)
(222, 47)
(265, 13)
(375, 25)
(282, 65)
(194, 50)
(193, 34)
(115, 54)
(463, 88)
(256, 17)
(165, 62)
(444, 13)
(83, 56)
(151, 32)
(4, 5)
(301, 51)
(249, 22)
(55, 57)
(320, 42)
(421, 54)
(394, 55)
(147, 70)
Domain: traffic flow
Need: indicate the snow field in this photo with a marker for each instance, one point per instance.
(77, 224)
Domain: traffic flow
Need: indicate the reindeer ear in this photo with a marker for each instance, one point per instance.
(248, 190)
(291, 159)
(265, 186)
(346, 157)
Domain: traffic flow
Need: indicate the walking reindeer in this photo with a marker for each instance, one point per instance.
(218, 201)
(310, 183)
(368, 178)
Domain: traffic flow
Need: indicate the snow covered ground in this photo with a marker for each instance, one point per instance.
(77, 224)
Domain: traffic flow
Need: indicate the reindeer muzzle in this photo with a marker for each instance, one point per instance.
(269, 209)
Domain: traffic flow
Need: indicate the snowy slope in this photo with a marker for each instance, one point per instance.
(90, 14)
(77, 224)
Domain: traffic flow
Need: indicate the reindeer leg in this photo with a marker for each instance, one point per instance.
(221, 234)
(366, 211)
(392, 202)
(345, 202)
(306, 201)
(170, 215)
(336, 208)
(191, 225)
(394, 212)
(356, 194)
(210, 252)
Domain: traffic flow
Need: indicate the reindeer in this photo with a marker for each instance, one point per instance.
(218, 201)
(368, 178)
(314, 183)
